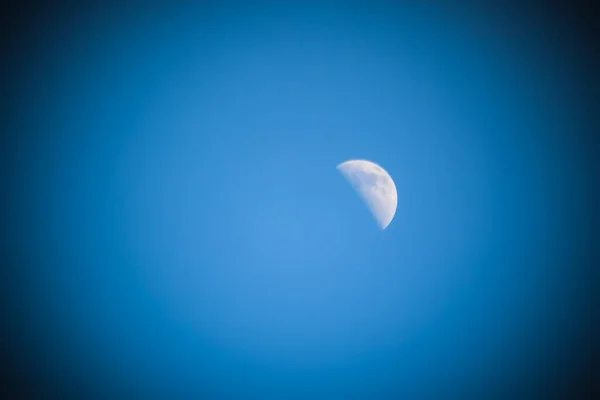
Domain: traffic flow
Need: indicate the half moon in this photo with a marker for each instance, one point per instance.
(375, 187)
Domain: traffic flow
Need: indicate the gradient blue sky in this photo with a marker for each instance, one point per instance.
(187, 231)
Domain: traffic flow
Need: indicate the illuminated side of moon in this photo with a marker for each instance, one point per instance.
(375, 186)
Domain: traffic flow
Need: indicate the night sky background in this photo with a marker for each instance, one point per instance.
(175, 226)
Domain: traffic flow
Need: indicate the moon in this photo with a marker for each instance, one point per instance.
(375, 187)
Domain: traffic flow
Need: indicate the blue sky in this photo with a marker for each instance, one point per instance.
(188, 231)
